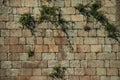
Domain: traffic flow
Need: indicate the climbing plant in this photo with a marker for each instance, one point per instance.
(92, 9)
(58, 73)
(28, 21)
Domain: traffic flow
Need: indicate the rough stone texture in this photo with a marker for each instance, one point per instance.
(87, 55)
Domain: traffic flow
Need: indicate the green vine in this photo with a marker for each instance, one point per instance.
(58, 73)
(28, 21)
(92, 9)
(53, 15)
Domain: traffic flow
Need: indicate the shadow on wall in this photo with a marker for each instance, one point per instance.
(118, 13)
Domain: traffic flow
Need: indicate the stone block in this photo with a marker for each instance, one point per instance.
(47, 56)
(46, 71)
(83, 48)
(90, 71)
(96, 48)
(13, 56)
(38, 78)
(11, 40)
(64, 63)
(49, 41)
(82, 33)
(95, 63)
(112, 72)
(4, 17)
(22, 40)
(68, 10)
(15, 2)
(4, 48)
(77, 17)
(5, 10)
(16, 64)
(22, 10)
(90, 41)
(69, 71)
(105, 78)
(67, 3)
(60, 41)
(12, 72)
(25, 72)
(23, 56)
(6, 64)
(16, 33)
(106, 56)
(2, 40)
(79, 71)
(3, 57)
(53, 48)
(80, 56)
(2, 25)
(16, 48)
(37, 72)
(84, 78)
(107, 48)
(101, 71)
(115, 78)
(73, 78)
(53, 63)
(5, 33)
(30, 3)
(91, 56)
(30, 40)
(75, 2)
(41, 48)
(74, 63)
(115, 64)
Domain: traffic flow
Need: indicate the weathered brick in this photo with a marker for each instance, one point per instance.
(115, 48)
(106, 56)
(67, 3)
(37, 72)
(2, 25)
(82, 33)
(4, 48)
(16, 64)
(59, 3)
(58, 33)
(3, 56)
(43, 64)
(13, 57)
(29, 64)
(115, 63)
(12, 72)
(22, 40)
(46, 71)
(22, 10)
(95, 63)
(4, 33)
(115, 78)
(107, 48)
(6, 64)
(84, 78)
(69, 71)
(77, 17)
(16, 48)
(74, 63)
(39, 40)
(49, 41)
(80, 56)
(105, 78)
(38, 56)
(72, 32)
(68, 10)
(15, 3)
(107, 63)
(64, 63)
(101, 71)
(91, 56)
(75, 2)
(30, 3)
(13, 25)
(92, 33)
(1, 40)
(30, 40)
(60, 41)
(53, 48)
(23, 56)
(11, 40)
(96, 48)
(83, 48)
(41, 48)
(101, 32)
(79, 71)
(25, 72)
(47, 56)
(26, 33)
(4, 17)
(90, 71)
(53, 63)
(112, 71)
(38, 78)
(74, 78)
(15, 33)
(108, 3)
(90, 41)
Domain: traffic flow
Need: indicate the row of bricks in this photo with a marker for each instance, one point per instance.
(57, 48)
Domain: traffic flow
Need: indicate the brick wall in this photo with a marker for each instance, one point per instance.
(94, 56)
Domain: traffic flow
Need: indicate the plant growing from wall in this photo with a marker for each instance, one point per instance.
(28, 21)
(93, 10)
(53, 15)
(58, 73)
(30, 52)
